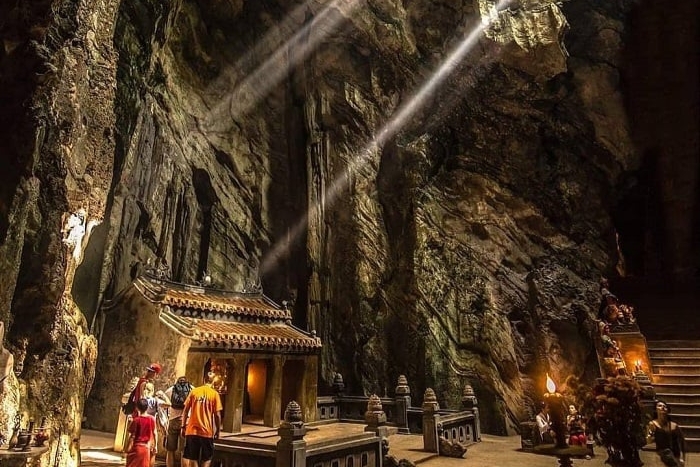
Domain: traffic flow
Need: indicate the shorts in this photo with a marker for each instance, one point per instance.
(198, 448)
(174, 439)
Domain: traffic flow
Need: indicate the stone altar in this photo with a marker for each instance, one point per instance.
(12, 458)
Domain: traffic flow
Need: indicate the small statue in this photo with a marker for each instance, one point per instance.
(15, 432)
(574, 422)
(627, 314)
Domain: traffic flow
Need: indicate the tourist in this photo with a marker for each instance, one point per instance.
(201, 423)
(158, 404)
(667, 435)
(175, 441)
(143, 437)
(544, 424)
(137, 393)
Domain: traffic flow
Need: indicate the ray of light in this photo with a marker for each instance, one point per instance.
(389, 129)
(256, 85)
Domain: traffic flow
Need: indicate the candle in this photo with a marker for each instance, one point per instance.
(557, 413)
(638, 366)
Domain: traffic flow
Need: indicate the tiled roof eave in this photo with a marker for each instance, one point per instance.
(206, 346)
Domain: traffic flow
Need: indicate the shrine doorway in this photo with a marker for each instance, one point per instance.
(292, 383)
(256, 375)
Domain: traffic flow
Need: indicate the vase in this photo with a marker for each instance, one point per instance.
(13, 440)
(23, 440)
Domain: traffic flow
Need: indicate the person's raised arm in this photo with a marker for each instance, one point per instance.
(186, 413)
(154, 437)
(164, 400)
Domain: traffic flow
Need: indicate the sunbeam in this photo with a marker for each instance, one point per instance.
(384, 134)
(256, 85)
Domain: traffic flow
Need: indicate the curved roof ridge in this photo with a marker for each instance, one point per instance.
(198, 300)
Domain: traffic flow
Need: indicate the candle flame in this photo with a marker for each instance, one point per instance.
(551, 387)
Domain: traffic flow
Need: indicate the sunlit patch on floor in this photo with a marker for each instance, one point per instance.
(103, 456)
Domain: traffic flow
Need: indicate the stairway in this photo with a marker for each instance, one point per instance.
(676, 376)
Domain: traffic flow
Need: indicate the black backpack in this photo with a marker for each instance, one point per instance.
(180, 393)
(130, 405)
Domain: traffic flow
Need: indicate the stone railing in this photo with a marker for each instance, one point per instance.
(457, 427)
(360, 449)
(460, 426)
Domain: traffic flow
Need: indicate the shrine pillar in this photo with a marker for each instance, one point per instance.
(273, 393)
(310, 388)
(233, 409)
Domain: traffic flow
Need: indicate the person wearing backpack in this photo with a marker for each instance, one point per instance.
(174, 441)
(136, 394)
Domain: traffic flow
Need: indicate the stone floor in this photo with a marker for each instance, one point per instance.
(492, 451)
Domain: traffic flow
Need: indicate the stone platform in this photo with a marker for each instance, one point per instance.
(492, 451)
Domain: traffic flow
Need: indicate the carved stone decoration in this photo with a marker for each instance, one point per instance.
(469, 400)
(375, 415)
(292, 428)
(385, 447)
(374, 404)
(402, 388)
(451, 448)
(430, 402)
(292, 414)
(338, 383)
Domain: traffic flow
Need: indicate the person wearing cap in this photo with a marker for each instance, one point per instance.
(151, 371)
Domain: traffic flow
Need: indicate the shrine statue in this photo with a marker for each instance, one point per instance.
(575, 424)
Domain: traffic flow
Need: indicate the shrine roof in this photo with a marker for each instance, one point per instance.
(201, 302)
(217, 320)
(232, 335)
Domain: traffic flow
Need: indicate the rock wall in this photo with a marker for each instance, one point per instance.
(416, 234)
(432, 184)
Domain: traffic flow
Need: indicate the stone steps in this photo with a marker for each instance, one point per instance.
(669, 360)
(677, 369)
(676, 378)
(676, 375)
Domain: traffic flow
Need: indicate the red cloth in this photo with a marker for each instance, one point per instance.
(141, 429)
(139, 456)
(137, 395)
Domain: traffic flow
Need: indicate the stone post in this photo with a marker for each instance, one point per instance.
(430, 421)
(375, 416)
(403, 402)
(339, 390)
(338, 384)
(469, 402)
(291, 448)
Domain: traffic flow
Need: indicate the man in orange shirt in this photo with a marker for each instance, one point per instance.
(201, 423)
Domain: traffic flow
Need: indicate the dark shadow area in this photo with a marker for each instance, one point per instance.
(657, 217)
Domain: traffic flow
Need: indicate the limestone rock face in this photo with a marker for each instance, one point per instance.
(429, 183)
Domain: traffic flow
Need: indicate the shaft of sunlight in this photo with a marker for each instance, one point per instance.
(388, 130)
(256, 85)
